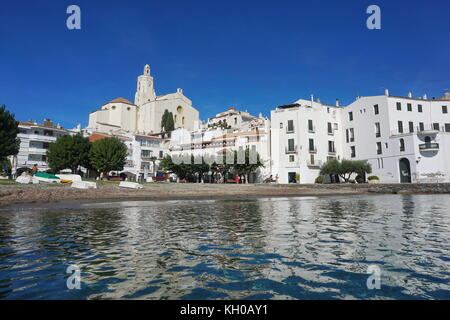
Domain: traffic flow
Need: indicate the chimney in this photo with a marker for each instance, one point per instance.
(386, 92)
(318, 100)
(409, 94)
(337, 102)
(312, 100)
(179, 90)
(425, 96)
(47, 122)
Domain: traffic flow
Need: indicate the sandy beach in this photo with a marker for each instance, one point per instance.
(16, 194)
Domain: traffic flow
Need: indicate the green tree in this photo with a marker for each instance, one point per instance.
(69, 152)
(167, 123)
(9, 128)
(346, 168)
(108, 154)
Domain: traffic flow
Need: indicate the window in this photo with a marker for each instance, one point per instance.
(352, 135)
(379, 149)
(312, 160)
(291, 158)
(375, 109)
(353, 151)
(409, 106)
(444, 109)
(311, 145)
(161, 154)
(377, 130)
(281, 125)
(402, 145)
(291, 146)
(421, 126)
(146, 153)
(347, 136)
(182, 120)
(399, 106)
(330, 128)
(290, 127)
(419, 108)
(411, 126)
(235, 120)
(310, 126)
(350, 116)
(400, 127)
(436, 126)
(128, 108)
(447, 127)
(113, 107)
(331, 147)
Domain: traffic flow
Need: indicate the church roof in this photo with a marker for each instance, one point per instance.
(121, 100)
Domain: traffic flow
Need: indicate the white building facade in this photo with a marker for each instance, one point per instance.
(405, 139)
(34, 143)
(303, 136)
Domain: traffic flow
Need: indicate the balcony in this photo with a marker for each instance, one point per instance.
(314, 164)
(312, 150)
(427, 130)
(332, 152)
(290, 130)
(430, 146)
(312, 129)
(34, 150)
(291, 150)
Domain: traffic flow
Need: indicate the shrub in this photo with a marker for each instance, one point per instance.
(319, 179)
(373, 178)
(359, 179)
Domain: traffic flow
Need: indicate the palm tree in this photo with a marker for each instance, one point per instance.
(153, 160)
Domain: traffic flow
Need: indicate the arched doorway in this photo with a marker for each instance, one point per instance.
(405, 171)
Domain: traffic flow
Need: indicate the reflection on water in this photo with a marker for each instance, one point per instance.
(283, 248)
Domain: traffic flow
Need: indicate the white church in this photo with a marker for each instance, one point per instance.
(145, 114)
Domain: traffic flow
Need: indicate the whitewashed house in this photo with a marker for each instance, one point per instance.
(405, 139)
(303, 136)
(35, 139)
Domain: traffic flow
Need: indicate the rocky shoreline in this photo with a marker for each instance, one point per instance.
(41, 194)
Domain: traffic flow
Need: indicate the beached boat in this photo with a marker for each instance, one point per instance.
(131, 185)
(46, 177)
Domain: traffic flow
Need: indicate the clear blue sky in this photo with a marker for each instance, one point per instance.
(250, 54)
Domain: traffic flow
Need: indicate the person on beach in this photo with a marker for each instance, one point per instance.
(34, 169)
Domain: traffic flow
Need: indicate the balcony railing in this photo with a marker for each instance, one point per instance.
(332, 151)
(312, 150)
(315, 164)
(312, 129)
(291, 130)
(291, 150)
(430, 146)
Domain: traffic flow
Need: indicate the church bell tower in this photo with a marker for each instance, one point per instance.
(145, 91)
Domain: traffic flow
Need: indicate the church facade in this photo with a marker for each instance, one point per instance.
(145, 114)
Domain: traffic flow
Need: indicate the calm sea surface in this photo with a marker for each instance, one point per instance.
(278, 248)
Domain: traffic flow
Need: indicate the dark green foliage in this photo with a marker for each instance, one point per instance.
(188, 165)
(167, 123)
(69, 152)
(319, 180)
(9, 128)
(345, 168)
(108, 154)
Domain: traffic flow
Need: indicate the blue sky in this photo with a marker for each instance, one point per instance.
(254, 55)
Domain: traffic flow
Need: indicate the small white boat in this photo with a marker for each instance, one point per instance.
(130, 185)
(84, 185)
(23, 179)
(46, 177)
